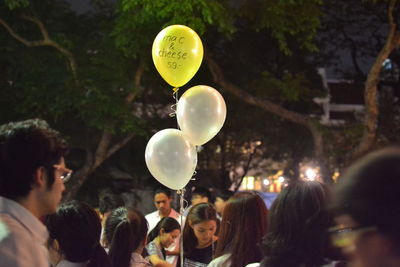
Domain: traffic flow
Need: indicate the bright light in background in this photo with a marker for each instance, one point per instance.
(266, 182)
(250, 182)
(311, 174)
(281, 179)
(310, 171)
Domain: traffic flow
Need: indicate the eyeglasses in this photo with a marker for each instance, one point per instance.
(66, 175)
(343, 237)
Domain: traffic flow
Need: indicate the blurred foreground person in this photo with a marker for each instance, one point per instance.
(32, 176)
(298, 224)
(243, 225)
(75, 237)
(368, 210)
(126, 231)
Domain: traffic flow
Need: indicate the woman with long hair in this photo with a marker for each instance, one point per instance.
(74, 237)
(244, 223)
(199, 235)
(298, 227)
(161, 237)
(125, 233)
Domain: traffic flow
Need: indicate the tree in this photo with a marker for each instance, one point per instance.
(87, 81)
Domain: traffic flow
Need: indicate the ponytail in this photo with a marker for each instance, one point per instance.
(99, 257)
(122, 245)
(125, 231)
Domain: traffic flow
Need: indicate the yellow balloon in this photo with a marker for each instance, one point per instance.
(177, 54)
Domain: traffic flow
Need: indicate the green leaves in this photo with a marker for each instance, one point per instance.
(13, 4)
(139, 21)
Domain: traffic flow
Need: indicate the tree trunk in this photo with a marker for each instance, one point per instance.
(370, 92)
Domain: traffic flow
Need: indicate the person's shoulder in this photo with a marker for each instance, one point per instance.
(221, 261)
(12, 230)
(176, 215)
(152, 248)
(17, 248)
(151, 215)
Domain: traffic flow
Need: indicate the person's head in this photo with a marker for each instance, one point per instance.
(368, 211)
(74, 235)
(200, 195)
(243, 225)
(32, 164)
(200, 226)
(125, 232)
(298, 224)
(109, 202)
(162, 201)
(167, 230)
(221, 198)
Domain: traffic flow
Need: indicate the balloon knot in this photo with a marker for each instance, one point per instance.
(175, 89)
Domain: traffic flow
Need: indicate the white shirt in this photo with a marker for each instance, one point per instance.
(22, 237)
(153, 218)
(221, 261)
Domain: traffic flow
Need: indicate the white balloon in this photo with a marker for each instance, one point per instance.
(201, 113)
(171, 158)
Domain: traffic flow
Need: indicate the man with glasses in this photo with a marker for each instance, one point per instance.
(368, 210)
(32, 176)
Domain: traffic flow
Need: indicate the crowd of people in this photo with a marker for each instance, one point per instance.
(310, 224)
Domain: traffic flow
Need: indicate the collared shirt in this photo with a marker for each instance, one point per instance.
(153, 218)
(22, 237)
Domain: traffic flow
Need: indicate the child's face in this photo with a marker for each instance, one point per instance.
(166, 239)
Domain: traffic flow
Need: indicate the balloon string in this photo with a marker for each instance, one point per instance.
(181, 193)
(194, 178)
(173, 107)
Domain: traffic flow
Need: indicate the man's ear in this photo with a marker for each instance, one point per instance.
(39, 178)
(55, 245)
(162, 231)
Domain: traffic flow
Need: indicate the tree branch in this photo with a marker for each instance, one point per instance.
(47, 41)
(270, 107)
(118, 145)
(137, 83)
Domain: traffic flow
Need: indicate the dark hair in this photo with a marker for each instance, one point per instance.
(204, 192)
(125, 230)
(198, 213)
(242, 227)
(167, 223)
(369, 191)
(162, 190)
(224, 194)
(76, 226)
(24, 147)
(109, 201)
(298, 225)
